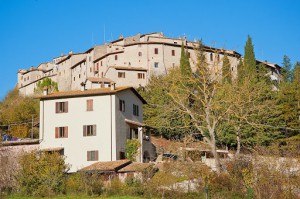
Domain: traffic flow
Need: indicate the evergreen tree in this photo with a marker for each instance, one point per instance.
(249, 59)
(226, 70)
(286, 68)
(185, 66)
(296, 88)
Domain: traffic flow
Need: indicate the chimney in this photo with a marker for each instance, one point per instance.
(82, 88)
(113, 86)
(121, 36)
(71, 52)
(45, 90)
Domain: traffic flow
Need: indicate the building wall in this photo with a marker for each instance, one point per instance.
(131, 77)
(76, 145)
(122, 128)
(110, 123)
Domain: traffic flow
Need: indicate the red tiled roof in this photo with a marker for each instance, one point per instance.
(129, 68)
(136, 167)
(98, 80)
(110, 166)
(89, 92)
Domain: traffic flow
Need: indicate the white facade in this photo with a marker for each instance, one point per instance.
(112, 126)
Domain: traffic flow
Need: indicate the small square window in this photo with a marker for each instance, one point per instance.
(121, 74)
(92, 156)
(155, 64)
(156, 51)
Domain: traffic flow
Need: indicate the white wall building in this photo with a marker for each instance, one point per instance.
(93, 125)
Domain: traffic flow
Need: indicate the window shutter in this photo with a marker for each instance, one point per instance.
(66, 107)
(123, 105)
(56, 132)
(134, 110)
(94, 129)
(137, 110)
(88, 156)
(96, 154)
(66, 132)
(84, 130)
(56, 107)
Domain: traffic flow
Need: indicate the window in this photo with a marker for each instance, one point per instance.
(122, 105)
(27, 78)
(140, 54)
(121, 74)
(91, 70)
(89, 58)
(97, 66)
(61, 107)
(135, 110)
(155, 64)
(173, 65)
(211, 57)
(122, 155)
(116, 57)
(89, 130)
(134, 133)
(74, 78)
(89, 105)
(218, 57)
(101, 74)
(61, 132)
(173, 52)
(155, 50)
(141, 75)
(101, 63)
(92, 155)
(79, 76)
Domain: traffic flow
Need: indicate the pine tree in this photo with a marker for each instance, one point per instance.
(185, 66)
(226, 70)
(286, 68)
(249, 59)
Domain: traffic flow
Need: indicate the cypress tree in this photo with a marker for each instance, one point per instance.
(249, 59)
(286, 68)
(226, 70)
(185, 66)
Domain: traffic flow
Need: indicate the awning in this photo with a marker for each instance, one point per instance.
(135, 123)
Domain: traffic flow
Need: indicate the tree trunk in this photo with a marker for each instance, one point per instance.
(213, 147)
(238, 139)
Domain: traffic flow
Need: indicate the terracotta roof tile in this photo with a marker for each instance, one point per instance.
(97, 79)
(89, 92)
(107, 166)
(129, 68)
(136, 167)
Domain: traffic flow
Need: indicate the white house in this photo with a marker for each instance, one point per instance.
(93, 125)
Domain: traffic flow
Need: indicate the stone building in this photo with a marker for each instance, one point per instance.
(128, 61)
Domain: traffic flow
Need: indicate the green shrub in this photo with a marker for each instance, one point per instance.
(42, 174)
(132, 147)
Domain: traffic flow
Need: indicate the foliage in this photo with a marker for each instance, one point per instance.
(131, 148)
(226, 70)
(286, 69)
(52, 86)
(185, 66)
(248, 68)
(42, 174)
(16, 111)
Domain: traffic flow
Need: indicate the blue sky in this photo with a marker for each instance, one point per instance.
(35, 31)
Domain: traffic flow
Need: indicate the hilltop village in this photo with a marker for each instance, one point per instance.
(127, 61)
